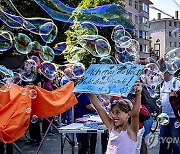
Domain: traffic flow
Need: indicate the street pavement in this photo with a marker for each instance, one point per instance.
(52, 145)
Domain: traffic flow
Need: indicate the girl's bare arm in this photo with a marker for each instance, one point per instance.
(102, 113)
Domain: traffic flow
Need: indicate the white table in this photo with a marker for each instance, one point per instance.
(73, 130)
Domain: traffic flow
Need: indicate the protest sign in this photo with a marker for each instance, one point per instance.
(111, 79)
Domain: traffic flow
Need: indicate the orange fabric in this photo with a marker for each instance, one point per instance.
(51, 103)
(14, 118)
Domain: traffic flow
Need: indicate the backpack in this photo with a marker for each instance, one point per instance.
(149, 102)
(175, 101)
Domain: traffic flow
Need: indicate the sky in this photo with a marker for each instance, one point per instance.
(168, 6)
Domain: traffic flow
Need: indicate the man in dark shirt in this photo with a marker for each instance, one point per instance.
(84, 107)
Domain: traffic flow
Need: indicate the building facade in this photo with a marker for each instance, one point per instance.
(138, 12)
(163, 37)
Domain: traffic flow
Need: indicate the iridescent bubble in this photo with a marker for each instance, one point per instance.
(116, 35)
(74, 56)
(68, 72)
(6, 78)
(159, 102)
(102, 47)
(176, 33)
(17, 78)
(35, 47)
(176, 63)
(36, 59)
(47, 54)
(103, 16)
(89, 28)
(117, 32)
(163, 119)
(150, 60)
(48, 70)
(28, 110)
(119, 49)
(177, 124)
(152, 67)
(171, 68)
(5, 41)
(97, 45)
(29, 71)
(108, 60)
(34, 119)
(78, 70)
(32, 93)
(134, 47)
(128, 34)
(123, 42)
(23, 91)
(59, 48)
(154, 79)
(172, 54)
(125, 57)
(48, 32)
(22, 43)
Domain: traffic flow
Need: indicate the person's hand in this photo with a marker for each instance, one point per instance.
(138, 87)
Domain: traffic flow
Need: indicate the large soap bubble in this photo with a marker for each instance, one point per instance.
(88, 28)
(48, 32)
(22, 42)
(5, 41)
(172, 54)
(78, 70)
(47, 54)
(176, 33)
(48, 70)
(97, 45)
(6, 78)
(29, 71)
(59, 48)
(74, 56)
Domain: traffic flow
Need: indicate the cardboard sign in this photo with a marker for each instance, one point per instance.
(111, 79)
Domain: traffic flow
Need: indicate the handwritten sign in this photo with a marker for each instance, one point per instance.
(112, 79)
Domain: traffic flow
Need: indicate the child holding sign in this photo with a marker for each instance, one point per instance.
(123, 135)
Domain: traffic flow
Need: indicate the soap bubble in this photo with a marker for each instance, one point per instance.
(78, 70)
(48, 70)
(163, 119)
(176, 33)
(5, 41)
(59, 48)
(48, 32)
(32, 93)
(97, 45)
(47, 54)
(108, 60)
(89, 28)
(22, 42)
(34, 119)
(23, 91)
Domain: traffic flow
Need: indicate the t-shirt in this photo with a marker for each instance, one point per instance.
(165, 92)
(80, 108)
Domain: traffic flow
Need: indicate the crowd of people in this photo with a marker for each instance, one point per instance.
(128, 120)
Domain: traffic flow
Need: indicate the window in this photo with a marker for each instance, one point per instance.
(175, 24)
(175, 44)
(179, 44)
(169, 33)
(170, 23)
(129, 15)
(141, 48)
(140, 34)
(136, 19)
(130, 2)
(136, 5)
(170, 44)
